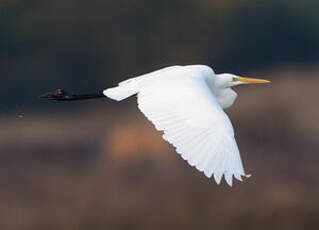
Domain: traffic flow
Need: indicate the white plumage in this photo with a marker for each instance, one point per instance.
(186, 103)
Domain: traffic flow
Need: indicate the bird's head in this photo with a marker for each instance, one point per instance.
(226, 80)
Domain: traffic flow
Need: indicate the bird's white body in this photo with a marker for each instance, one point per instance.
(186, 103)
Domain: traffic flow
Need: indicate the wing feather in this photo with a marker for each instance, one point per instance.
(181, 104)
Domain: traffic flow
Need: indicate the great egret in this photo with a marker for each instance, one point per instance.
(186, 103)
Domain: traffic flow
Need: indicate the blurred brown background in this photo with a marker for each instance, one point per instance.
(101, 164)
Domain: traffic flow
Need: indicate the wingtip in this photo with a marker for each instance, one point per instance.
(238, 177)
(218, 178)
(229, 179)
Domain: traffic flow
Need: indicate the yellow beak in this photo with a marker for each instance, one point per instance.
(252, 80)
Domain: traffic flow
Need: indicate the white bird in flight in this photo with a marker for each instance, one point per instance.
(186, 103)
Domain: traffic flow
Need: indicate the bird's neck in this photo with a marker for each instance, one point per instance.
(225, 97)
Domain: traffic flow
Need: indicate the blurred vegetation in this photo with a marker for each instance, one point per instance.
(89, 45)
(95, 167)
(92, 165)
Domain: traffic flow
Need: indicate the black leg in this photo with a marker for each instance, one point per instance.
(62, 95)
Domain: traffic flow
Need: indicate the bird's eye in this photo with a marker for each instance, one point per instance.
(235, 78)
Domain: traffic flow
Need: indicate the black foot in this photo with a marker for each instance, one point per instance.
(58, 95)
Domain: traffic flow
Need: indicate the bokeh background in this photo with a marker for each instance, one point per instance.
(101, 165)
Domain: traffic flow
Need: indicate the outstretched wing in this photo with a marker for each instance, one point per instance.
(181, 104)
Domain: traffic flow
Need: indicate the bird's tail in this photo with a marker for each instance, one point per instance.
(124, 90)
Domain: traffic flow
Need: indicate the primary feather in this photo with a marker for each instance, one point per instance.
(181, 102)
